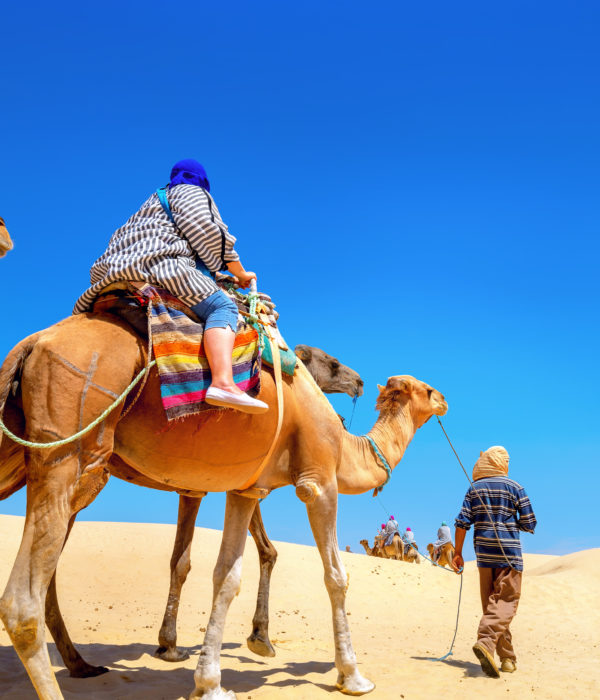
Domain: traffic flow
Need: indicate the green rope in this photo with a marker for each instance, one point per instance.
(85, 431)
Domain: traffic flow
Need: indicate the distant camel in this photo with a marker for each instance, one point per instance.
(386, 551)
(446, 554)
(5, 243)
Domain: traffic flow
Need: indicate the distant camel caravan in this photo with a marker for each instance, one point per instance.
(211, 453)
(396, 550)
(446, 554)
(5, 242)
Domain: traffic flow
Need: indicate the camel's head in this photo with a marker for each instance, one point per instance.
(330, 374)
(5, 243)
(423, 400)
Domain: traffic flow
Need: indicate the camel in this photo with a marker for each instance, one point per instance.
(375, 552)
(65, 384)
(5, 242)
(446, 554)
(332, 376)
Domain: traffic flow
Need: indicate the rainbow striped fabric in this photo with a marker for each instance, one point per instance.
(183, 368)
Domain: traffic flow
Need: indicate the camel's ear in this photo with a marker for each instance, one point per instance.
(303, 352)
(381, 388)
(401, 385)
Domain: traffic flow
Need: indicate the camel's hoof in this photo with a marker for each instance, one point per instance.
(260, 646)
(171, 654)
(354, 684)
(85, 670)
(213, 694)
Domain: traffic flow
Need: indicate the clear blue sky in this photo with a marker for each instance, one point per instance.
(416, 186)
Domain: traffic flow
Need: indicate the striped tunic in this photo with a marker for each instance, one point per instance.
(149, 248)
(510, 511)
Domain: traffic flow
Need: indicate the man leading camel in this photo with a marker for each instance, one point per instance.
(499, 508)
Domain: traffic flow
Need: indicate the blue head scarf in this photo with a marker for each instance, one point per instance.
(189, 172)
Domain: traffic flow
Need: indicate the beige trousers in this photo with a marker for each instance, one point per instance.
(500, 592)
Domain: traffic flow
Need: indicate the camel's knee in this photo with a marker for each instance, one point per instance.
(181, 569)
(26, 630)
(228, 579)
(336, 582)
(308, 490)
(268, 557)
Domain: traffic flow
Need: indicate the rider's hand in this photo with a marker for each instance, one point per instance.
(244, 278)
(458, 563)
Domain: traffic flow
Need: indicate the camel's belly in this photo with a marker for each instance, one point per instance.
(214, 451)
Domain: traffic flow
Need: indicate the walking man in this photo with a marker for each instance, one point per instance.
(499, 508)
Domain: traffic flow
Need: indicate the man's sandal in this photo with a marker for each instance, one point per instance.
(488, 665)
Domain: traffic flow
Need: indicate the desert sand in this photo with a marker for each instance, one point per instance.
(113, 581)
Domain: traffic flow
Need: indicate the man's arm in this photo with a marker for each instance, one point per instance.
(458, 562)
(526, 521)
(243, 276)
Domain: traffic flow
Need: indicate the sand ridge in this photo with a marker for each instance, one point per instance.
(113, 583)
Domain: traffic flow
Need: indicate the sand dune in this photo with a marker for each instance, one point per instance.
(113, 580)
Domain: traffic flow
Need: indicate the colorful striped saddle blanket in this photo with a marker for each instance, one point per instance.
(183, 368)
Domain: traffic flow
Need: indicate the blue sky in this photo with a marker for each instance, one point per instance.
(416, 187)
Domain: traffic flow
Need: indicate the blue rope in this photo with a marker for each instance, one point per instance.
(383, 461)
(354, 401)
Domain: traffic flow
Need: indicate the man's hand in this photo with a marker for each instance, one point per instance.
(244, 278)
(458, 563)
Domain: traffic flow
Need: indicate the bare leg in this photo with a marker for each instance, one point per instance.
(259, 641)
(322, 513)
(180, 568)
(226, 584)
(218, 344)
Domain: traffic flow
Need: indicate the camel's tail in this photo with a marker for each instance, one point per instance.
(12, 463)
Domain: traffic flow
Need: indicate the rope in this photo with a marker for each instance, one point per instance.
(85, 431)
(354, 402)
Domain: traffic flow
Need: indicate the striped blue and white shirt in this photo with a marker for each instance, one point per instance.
(508, 510)
(150, 248)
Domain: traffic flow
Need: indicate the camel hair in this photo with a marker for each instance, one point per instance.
(6, 243)
(65, 384)
(446, 554)
(331, 376)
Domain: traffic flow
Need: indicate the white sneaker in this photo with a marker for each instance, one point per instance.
(241, 402)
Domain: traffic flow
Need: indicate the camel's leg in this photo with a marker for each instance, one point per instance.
(180, 568)
(52, 500)
(322, 513)
(226, 584)
(76, 665)
(259, 641)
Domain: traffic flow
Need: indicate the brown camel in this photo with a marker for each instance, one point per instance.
(336, 377)
(65, 384)
(395, 550)
(332, 377)
(446, 554)
(5, 242)
(375, 552)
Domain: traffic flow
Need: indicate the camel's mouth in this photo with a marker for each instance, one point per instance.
(4, 248)
(440, 407)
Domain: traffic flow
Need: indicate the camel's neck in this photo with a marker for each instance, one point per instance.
(360, 470)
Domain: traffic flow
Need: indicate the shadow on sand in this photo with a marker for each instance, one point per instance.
(170, 681)
(471, 670)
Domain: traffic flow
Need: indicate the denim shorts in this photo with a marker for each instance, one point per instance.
(217, 311)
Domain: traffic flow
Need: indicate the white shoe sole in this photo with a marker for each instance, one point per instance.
(226, 402)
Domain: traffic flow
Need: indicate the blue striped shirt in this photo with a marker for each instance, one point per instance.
(508, 510)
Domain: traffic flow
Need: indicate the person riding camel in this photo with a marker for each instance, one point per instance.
(178, 241)
(391, 529)
(409, 539)
(444, 535)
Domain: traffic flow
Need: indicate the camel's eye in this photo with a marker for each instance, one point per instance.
(429, 392)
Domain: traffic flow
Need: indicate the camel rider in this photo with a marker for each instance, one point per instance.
(181, 253)
(444, 535)
(409, 539)
(391, 529)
